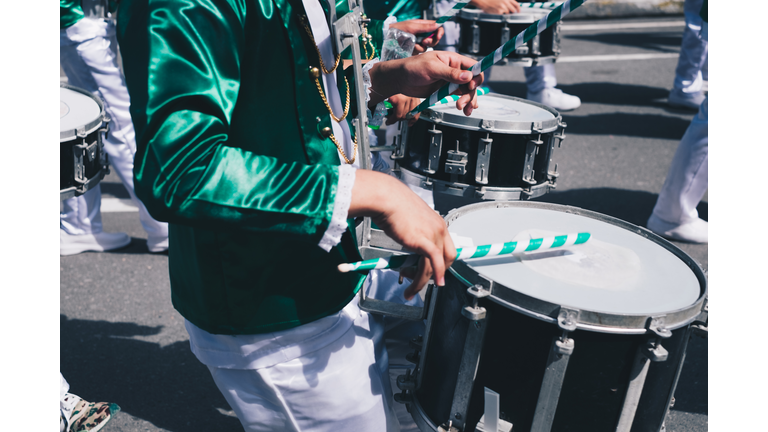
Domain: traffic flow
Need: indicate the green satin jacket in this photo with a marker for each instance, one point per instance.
(229, 152)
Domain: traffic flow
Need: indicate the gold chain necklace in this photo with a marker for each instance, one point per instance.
(319, 56)
(341, 150)
(315, 73)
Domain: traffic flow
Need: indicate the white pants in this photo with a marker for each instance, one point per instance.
(88, 55)
(692, 63)
(688, 176)
(309, 378)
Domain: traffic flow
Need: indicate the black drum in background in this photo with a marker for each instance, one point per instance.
(589, 338)
(482, 33)
(504, 151)
(82, 121)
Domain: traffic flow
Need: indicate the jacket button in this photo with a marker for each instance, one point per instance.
(314, 72)
(326, 132)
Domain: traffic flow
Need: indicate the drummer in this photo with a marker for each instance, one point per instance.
(243, 150)
(540, 80)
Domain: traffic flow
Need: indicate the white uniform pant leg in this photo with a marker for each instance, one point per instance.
(80, 215)
(693, 51)
(88, 55)
(688, 176)
(538, 78)
(450, 38)
(342, 387)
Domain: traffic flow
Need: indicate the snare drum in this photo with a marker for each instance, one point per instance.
(589, 338)
(504, 151)
(482, 33)
(82, 121)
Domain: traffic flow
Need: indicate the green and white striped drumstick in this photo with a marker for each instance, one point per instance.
(549, 5)
(485, 251)
(453, 98)
(450, 13)
(524, 36)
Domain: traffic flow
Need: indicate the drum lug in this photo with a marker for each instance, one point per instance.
(474, 313)
(483, 159)
(406, 382)
(567, 319)
(435, 147)
(655, 352)
(487, 125)
(400, 141)
(701, 323)
(532, 148)
(475, 39)
(658, 326)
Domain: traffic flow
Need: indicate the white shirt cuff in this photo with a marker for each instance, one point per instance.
(338, 225)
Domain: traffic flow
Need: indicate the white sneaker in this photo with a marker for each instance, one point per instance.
(75, 244)
(556, 99)
(695, 231)
(680, 99)
(157, 245)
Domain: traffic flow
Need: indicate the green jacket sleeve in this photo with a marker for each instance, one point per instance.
(183, 71)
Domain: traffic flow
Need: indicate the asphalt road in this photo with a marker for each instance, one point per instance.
(122, 341)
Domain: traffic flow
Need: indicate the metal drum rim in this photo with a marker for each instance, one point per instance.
(89, 127)
(475, 124)
(522, 17)
(589, 320)
(407, 176)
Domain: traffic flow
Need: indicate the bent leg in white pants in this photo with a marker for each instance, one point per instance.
(686, 182)
(88, 55)
(337, 385)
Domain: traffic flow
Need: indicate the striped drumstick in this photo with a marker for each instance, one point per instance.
(514, 43)
(485, 251)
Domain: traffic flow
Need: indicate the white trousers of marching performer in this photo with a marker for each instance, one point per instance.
(330, 375)
(88, 55)
(692, 63)
(688, 176)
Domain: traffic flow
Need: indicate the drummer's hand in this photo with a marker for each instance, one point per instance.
(422, 75)
(408, 220)
(497, 7)
(401, 106)
(418, 26)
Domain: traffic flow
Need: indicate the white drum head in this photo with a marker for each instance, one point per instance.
(77, 110)
(497, 113)
(500, 109)
(616, 271)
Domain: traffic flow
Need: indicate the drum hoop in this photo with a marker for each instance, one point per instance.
(488, 192)
(603, 322)
(506, 127)
(420, 416)
(523, 17)
(89, 127)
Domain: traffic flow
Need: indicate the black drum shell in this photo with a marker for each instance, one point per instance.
(547, 45)
(507, 161)
(513, 360)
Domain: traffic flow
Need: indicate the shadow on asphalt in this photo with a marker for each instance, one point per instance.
(626, 124)
(632, 206)
(605, 93)
(117, 190)
(164, 385)
(669, 41)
